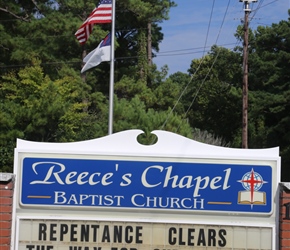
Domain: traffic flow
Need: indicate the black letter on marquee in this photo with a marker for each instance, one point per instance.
(287, 212)
(63, 231)
(190, 236)
(211, 237)
(201, 238)
(118, 234)
(222, 242)
(128, 238)
(181, 243)
(52, 232)
(85, 232)
(95, 233)
(30, 247)
(75, 248)
(106, 234)
(42, 231)
(138, 235)
(73, 232)
(171, 239)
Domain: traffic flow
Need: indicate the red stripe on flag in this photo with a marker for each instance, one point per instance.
(101, 14)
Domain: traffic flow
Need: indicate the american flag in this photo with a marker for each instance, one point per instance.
(101, 14)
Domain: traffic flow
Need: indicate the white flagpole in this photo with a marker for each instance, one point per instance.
(111, 94)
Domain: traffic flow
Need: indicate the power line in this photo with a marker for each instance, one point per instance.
(159, 54)
(188, 49)
(215, 59)
(185, 88)
(189, 53)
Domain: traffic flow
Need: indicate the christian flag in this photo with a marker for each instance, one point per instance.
(101, 54)
(101, 14)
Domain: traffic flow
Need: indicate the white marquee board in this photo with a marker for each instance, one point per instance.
(177, 193)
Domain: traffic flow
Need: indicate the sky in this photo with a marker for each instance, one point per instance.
(195, 25)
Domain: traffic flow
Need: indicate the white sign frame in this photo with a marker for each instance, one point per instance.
(169, 146)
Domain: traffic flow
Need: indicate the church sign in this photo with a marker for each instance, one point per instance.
(114, 193)
(146, 184)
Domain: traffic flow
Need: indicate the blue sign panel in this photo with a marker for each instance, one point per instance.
(147, 185)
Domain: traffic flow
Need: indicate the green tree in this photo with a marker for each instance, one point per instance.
(144, 15)
(134, 115)
(270, 86)
(36, 108)
(44, 96)
(212, 99)
(45, 30)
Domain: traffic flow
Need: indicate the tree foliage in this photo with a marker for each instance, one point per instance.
(213, 97)
(216, 91)
(44, 96)
(271, 89)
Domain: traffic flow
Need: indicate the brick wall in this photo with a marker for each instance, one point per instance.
(6, 194)
(284, 221)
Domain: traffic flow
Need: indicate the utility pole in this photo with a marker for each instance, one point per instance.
(245, 74)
